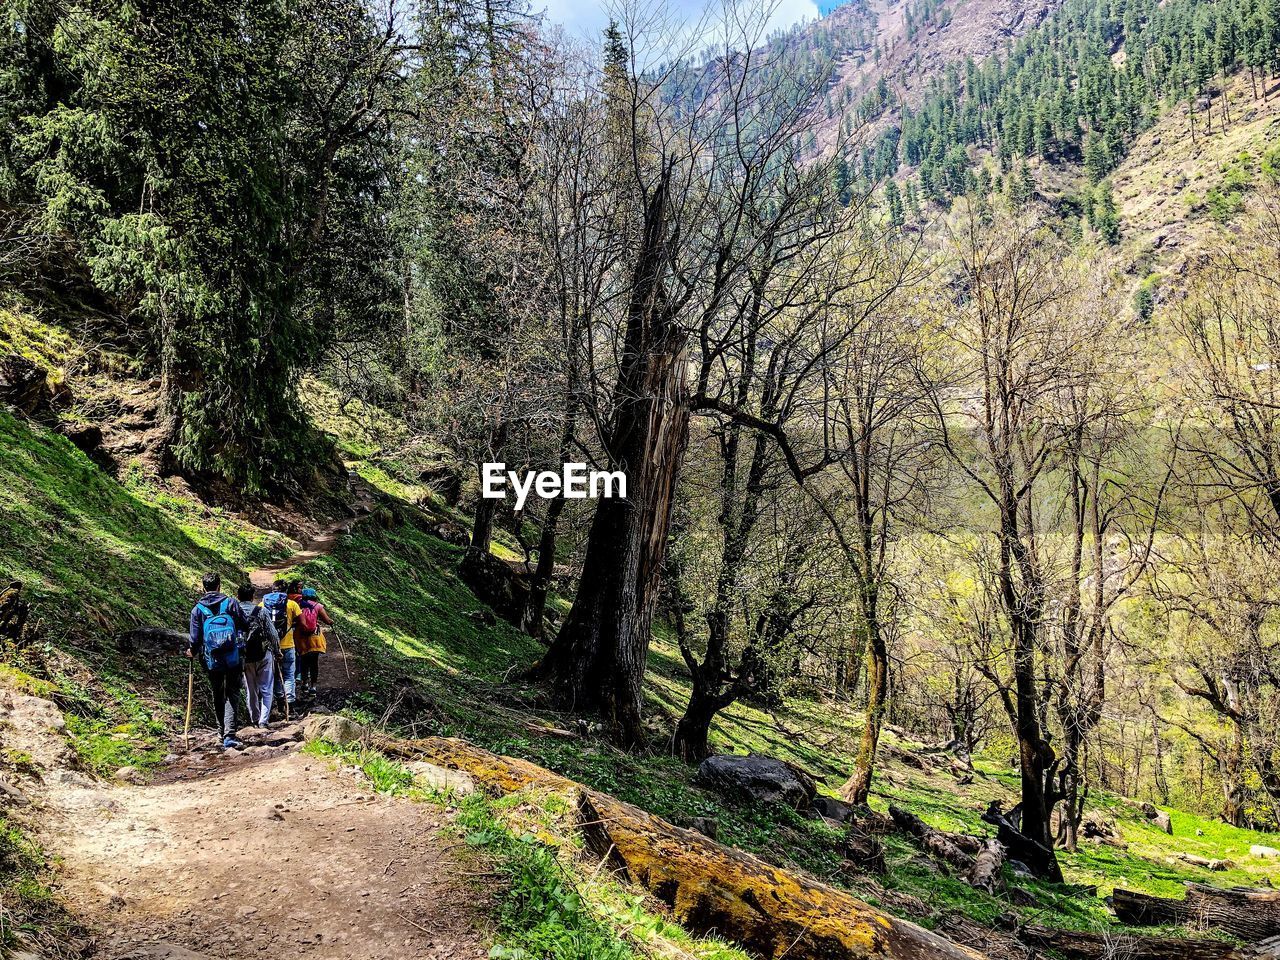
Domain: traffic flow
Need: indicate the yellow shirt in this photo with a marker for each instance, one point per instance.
(292, 611)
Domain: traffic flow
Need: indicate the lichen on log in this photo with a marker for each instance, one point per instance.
(710, 888)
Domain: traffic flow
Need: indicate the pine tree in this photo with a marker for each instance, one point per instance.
(893, 201)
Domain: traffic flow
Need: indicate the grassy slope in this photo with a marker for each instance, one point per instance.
(131, 553)
(98, 556)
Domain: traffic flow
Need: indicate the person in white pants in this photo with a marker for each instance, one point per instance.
(260, 649)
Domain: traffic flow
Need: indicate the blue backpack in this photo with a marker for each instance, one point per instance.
(219, 631)
(277, 606)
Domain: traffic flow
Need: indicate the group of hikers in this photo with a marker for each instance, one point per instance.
(270, 650)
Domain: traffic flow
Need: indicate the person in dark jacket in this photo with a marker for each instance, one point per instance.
(213, 614)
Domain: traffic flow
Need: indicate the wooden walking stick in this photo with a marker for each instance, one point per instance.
(341, 649)
(191, 690)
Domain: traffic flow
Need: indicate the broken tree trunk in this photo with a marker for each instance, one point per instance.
(710, 888)
(1090, 945)
(1039, 858)
(1143, 910)
(986, 874)
(1246, 912)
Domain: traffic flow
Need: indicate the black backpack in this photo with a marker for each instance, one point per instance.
(255, 641)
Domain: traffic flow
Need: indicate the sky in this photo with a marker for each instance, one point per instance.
(585, 19)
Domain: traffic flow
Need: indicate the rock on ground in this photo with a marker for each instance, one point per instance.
(759, 778)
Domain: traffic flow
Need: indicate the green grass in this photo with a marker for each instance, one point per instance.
(97, 557)
(384, 774)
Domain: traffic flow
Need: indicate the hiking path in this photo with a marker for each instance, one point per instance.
(261, 852)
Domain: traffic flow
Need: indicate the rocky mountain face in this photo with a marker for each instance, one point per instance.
(901, 45)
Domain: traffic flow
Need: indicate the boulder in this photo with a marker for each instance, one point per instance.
(334, 728)
(829, 808)
(25, 386)
(496, 583)
(763, 779)
(130, 775)
(1095, 825)
(86, 436)
(445, 481)
(428, 776)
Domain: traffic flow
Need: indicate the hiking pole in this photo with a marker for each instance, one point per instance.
(345, 662)
(191, 690)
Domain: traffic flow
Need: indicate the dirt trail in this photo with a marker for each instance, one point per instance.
(267, 851)
(264, 852)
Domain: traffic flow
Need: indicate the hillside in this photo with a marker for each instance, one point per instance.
(427, 662)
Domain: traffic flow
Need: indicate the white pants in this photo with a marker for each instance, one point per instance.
(259, 684)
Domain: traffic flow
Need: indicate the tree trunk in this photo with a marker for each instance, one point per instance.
(598, 661)
(482, 526)
(692, 732)
(858, 786)
(540, 585)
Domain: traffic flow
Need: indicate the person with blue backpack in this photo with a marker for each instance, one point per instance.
(284, 613)
(218, 627)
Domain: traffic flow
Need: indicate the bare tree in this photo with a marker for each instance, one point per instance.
(1022, 335)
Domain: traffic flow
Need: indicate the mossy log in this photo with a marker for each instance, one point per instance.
(711, 888)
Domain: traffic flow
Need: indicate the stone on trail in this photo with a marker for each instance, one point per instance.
(334, 728)
(130, 775)
(758, 778)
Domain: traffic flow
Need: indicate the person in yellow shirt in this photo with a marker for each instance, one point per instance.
(284, 612)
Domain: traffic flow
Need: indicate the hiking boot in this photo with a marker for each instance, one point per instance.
(231, 743)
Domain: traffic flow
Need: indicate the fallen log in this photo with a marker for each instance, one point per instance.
(1143, 910)
(1249, 913)
(1210, 864)
(710, 887)
(986, 874)
(953, 848)
(1092, 945)
(1039, 858)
